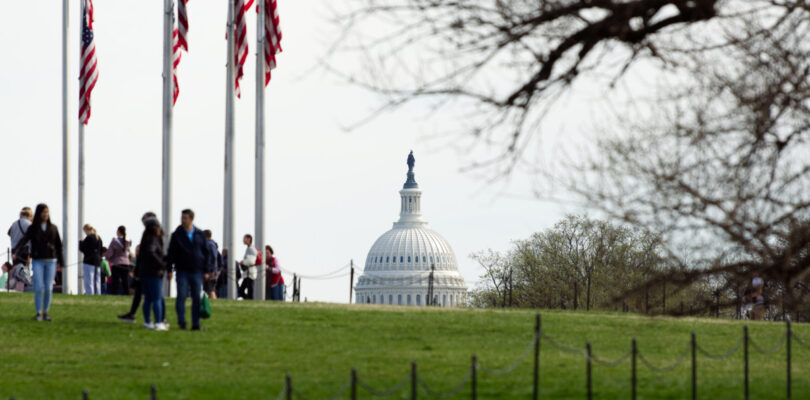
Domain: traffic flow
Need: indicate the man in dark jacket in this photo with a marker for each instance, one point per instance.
(188, 253)
(212, 265)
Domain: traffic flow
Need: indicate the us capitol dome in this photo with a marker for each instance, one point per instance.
(398, 266)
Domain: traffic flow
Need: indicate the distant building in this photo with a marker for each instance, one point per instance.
(398, 265)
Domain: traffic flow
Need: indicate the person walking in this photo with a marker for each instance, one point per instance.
(17, 230)
(150, 267)
(212, 265)
(148, 219)
(118, 256)
(187, 256)
(46, 254)
(91, 247)
(275, 282)
(250, 264)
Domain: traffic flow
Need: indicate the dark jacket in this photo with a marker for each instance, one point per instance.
(151, 263)
(91, 248)
(44, 245)
(187, 255)
(214, 260)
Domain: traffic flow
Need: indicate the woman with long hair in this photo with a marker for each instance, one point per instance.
(150, 267)
(118, 257)
(46, 254)
(91, 247)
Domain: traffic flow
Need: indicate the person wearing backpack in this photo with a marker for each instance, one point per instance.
(47, 255)
(187, 255)
(118, 256)
(91, 247)
(17, 230)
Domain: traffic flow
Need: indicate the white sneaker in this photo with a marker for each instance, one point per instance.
(149, 326)
(161, 326)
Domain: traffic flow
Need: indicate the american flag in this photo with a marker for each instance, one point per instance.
(179, 43)
(240, 36)
(182, 27)
(88, 75)
(272, 38)
(175, 62)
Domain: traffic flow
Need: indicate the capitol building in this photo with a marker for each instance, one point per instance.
(398, 266)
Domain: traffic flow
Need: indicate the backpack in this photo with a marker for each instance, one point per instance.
(23, 274)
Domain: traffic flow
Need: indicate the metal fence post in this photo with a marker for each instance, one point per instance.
(474, 378)
(536, 392)
(694, 366)
(153, 392)
(588, 370)
(288, 389)
(745, 356)
(787, 342)
(85, 396)
(413, 380)
(633, 382)
(354, 384)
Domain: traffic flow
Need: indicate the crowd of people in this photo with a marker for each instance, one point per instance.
(193, 258)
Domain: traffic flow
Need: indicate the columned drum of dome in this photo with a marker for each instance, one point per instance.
(398, 265)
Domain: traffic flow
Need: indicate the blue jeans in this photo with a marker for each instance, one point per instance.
(152, 298)
(278, 292)
(44, 272)
(188, 282)
(92, 279)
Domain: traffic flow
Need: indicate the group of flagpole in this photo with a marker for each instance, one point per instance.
(168, 91)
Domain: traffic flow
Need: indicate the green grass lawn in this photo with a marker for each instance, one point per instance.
(249, 347)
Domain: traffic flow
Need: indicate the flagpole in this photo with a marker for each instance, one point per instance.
(65, 150)
(227, 214)
(80, 215)
(80, 199)
(259, 201)
(166, 205)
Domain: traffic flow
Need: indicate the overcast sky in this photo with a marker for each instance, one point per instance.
(330, 193)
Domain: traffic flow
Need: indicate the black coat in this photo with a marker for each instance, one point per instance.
(44, 245)
(187, 255)
(91, 248)
(151, 262)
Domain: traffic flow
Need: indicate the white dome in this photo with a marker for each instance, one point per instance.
(398, 266)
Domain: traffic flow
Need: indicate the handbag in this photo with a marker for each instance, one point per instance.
(205, 306)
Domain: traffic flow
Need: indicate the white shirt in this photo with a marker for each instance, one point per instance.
(249, 260)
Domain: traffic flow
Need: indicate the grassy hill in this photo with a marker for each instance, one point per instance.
(249, 347)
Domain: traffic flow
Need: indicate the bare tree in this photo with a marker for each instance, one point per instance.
(723, 170)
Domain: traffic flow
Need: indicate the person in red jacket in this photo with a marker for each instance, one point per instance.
(275, 281)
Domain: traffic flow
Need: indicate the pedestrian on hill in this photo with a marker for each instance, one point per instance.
(250, 264)
(187, 255)
(18, 228)
(46, 254)
(106, 273)
(275, 281)
(212, 265)
(757, 297)
(118, 255)
(91, 247)
(150, 266)
(149, 218)
(19, 277)
(222, 276)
